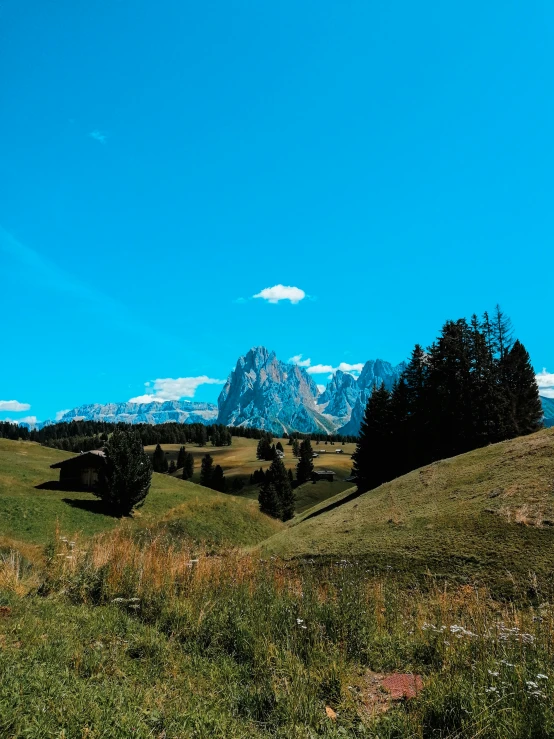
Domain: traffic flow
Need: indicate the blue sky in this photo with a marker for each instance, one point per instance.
(163, 163)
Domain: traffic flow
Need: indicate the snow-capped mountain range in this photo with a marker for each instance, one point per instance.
(264, 392)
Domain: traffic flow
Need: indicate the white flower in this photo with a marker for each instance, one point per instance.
(299, 621)
(540, 676)
(532, 684)
(494, 674)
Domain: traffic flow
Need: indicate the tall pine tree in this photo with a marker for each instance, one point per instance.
(305, 465)
(373, 456)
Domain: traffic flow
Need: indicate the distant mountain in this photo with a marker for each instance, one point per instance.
(548, 408)
(179, 411)
(263, 392)
(345, 397)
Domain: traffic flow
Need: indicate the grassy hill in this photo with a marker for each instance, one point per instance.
(30, 515)
(239, 460)
(487, 512)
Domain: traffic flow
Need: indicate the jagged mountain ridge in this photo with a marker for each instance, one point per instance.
(263, 392)
(266, 393)
(178, 411)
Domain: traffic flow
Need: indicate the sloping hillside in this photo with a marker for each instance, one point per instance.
(31, 515)
(488, 511)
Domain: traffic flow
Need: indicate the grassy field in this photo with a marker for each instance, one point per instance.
(488, 511)
(30, 515)
(127, 639)
(155, 628)
(239, 460)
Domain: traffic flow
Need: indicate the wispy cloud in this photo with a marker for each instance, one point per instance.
(31, 420)
(321, 369)
(545, 381)
(100, 136)
(61, 414)
(175, 388)
(42, 271)
(281, 292)
(13, 405)
(297, 359)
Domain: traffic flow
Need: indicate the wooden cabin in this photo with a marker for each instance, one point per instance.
(83, 471)
(323, 475)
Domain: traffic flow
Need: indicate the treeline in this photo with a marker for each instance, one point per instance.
(473, 386)
(76, 436)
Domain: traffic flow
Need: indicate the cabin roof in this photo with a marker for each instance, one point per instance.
(95, 456)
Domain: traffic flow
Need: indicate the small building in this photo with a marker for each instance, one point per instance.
(83, 471)
(339, 451)
(315, 454)
(323, 475)
(280, 454)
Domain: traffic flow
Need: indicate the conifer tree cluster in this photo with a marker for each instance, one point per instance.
(305, 465)
(473, 386)
(276, 496)
(212, 476)
(266, 451)
(159, 461)
(126, 479)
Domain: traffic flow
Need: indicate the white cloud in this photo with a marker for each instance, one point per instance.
(13, 405)
(61, 414)
(99, 136)
(320, 369)
(281, 292)
(147, 399)
(545, 379)
(31, 420)
(345, 367)
(547, 392)
(175, 388)
(297, 359)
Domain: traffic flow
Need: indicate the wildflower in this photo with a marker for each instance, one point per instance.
(492, 689)
(540, 676)
(532, 684)
(299, 621)
(119, 600)
(494, 674)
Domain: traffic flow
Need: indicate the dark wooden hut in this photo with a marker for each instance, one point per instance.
(83, 471)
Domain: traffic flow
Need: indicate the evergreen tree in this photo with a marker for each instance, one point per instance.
(291, 477)
(201, 435)
(206, 471)
(159, 462)
(181, 458)
(128, 473)
(279, 447)
(295, 447)
(188, 466)
(305, 465)
(218, 481)
(372, 458)
(172, 467)
(268, 499)
(523, 392)
(281, 481)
